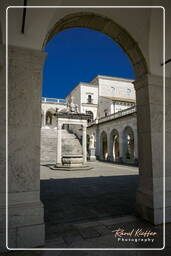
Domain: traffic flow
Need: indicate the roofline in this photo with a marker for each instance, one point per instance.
(79, 84)
(113, 78)
(102, 77)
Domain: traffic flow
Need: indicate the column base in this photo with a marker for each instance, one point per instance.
(25, 226)
(92, 156)
(145, 208)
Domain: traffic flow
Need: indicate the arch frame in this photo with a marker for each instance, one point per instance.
(107, 26)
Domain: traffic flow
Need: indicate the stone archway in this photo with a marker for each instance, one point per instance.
(128, 139)
(104, 146)
(149, 124)
(114, 146)
(108, 27)
(145, 98)
(48, 118)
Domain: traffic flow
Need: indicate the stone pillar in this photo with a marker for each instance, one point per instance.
(122, 146)
(25, 210)
(110, 146)
(149, 198)
(59, 145)
(84, 144)
(97, 142)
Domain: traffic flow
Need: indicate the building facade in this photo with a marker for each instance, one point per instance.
(110, 103)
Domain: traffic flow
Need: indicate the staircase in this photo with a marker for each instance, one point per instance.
(70, 145)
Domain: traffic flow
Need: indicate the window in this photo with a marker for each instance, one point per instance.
(128, 90)
(89, 99)
(105, 112)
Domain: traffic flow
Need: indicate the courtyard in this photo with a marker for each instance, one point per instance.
(107, 190)
(82, 208)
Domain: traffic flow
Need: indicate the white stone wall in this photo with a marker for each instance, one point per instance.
(85, 91)
(115, 87)
(89, 90)
(104, 106)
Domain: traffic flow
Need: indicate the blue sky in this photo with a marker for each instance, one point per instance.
(79, 54)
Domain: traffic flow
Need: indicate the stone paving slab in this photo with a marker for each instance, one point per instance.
(89, 232)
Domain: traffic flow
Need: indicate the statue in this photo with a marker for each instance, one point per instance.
(72, 107)
(92, 141)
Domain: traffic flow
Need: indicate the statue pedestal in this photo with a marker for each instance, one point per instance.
(92, 155)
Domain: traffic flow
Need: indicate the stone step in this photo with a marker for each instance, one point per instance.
(70, 145)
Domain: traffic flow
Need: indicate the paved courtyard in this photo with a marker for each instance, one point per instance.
(82, 208)
(105, 191)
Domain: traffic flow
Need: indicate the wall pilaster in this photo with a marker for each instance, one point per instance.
(26, 213)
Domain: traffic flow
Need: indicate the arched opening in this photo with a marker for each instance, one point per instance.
(129, 46)
(129, 149)
(109, 28)
(49, 118)
(132, 49)
(114, 145)
(104, 146)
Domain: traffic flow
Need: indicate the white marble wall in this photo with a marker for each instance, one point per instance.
(115, 87)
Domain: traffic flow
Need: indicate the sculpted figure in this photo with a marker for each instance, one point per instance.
(92, 141)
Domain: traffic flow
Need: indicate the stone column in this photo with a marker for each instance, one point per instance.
(25, 210)
(59, 144)
(149, 198)
(110, 146)
(122, 146)
(84, 144)
(97, 142)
